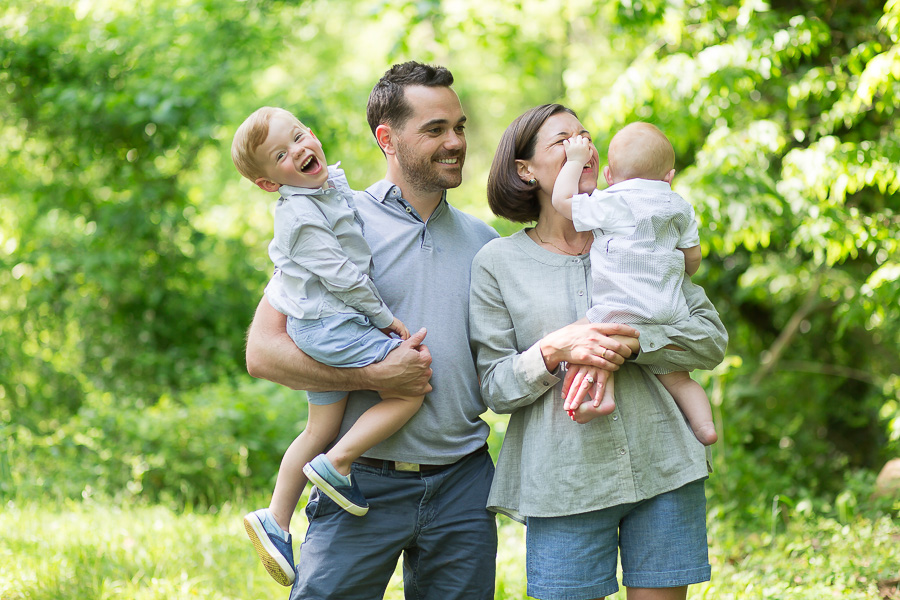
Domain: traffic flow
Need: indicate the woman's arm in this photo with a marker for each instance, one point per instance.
(702, 338)
(511, 379)
(272, 355)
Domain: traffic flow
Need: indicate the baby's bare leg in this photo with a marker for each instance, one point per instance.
(322, 427)
(373, 426)
(692, 400)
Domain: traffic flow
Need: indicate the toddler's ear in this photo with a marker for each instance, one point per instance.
(267, 184)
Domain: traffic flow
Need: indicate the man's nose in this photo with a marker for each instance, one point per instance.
(454, 140)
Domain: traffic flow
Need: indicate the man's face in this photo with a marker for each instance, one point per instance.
(431, 145)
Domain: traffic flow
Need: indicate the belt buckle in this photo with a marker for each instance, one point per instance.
(405, 466)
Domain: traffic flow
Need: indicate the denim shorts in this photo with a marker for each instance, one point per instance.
(341, 340)
(662, 541)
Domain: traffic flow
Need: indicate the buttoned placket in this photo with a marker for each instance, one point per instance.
(425, 241)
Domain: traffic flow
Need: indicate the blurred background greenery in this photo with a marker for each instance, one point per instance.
(132, 255)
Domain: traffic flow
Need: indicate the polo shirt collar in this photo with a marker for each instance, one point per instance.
(384, 189)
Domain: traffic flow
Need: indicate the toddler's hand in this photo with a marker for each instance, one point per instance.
(578, 149)
(397, 327)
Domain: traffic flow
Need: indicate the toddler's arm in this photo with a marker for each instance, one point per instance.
(309, 242)
(692, 258)
(397, 327)
(578, 153)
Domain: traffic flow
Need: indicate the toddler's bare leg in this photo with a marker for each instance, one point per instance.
(322, 427)
(373, 426)
(692, 401)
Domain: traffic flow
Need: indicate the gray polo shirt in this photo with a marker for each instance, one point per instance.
(422, 270)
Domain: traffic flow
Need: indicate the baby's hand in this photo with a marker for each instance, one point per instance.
(397, 327)
(578, 149)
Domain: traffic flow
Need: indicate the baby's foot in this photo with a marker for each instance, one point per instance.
(587, 412)
(706, 433)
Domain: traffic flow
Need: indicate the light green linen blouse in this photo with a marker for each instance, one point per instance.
(549, 465)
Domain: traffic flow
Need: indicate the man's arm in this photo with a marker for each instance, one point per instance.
(272, 355)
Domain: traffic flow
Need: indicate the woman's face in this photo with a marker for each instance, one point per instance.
(550, 156)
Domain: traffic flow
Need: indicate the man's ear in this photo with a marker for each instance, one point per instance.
(267, 184)
(384, 137)
(523, 170)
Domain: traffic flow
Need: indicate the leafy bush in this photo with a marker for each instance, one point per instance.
(205, 447)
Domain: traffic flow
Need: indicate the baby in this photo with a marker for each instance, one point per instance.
(645, 241)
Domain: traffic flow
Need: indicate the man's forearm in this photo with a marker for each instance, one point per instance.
(272, 355)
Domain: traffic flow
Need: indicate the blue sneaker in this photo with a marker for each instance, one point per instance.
(339, 488)
(273, 544)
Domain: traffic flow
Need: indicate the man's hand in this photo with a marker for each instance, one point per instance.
(406, 370)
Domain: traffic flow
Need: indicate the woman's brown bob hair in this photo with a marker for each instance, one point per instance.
(508, 196)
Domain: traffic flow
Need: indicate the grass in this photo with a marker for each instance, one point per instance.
(93, 551)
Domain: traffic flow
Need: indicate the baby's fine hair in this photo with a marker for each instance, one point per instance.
(640, 150)
(250, 136)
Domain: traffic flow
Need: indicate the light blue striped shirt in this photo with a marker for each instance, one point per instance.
(321, 257)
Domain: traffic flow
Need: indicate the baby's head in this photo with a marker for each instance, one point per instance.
(639, 151)
(272, 148)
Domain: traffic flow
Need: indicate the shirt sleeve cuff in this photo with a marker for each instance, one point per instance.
(651, 340)
(383, 319)
(534, 370)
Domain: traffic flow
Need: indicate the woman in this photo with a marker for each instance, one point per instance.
(632, 479)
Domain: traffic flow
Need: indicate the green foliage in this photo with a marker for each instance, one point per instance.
(132, 255)
(203, 448)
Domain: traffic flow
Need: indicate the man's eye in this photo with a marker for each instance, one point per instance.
(461, 129)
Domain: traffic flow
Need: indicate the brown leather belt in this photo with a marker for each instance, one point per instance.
(406, 467)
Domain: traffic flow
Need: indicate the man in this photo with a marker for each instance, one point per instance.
(427, 484)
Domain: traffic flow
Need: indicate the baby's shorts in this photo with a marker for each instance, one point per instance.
(341, 340)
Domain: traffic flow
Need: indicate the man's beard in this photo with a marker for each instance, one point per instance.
(424, 174)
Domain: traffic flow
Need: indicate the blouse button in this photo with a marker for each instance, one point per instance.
(409, 209)
(621, 450)
(615, 417)
(581, 292)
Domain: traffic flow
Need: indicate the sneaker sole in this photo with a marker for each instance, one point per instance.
(332, 493)
(271, 558)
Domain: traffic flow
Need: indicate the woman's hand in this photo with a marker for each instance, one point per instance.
(588, 393)
(586, 343)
